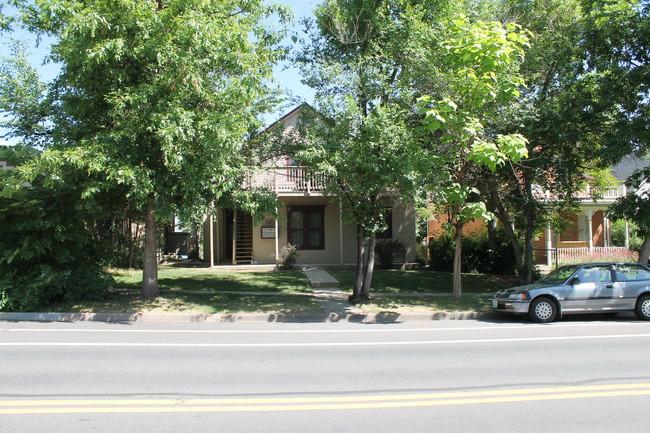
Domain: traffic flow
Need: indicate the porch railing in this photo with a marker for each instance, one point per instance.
(287, 180)
(578, 254)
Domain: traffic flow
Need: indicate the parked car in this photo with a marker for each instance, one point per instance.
(582, 288)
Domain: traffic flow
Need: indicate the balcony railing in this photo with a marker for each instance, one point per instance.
(290, 179)
(587, 195)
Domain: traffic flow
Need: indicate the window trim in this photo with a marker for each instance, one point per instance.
(307, 210)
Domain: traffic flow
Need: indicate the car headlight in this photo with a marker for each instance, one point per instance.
(521, 296)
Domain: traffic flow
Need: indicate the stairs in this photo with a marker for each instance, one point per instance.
(242, 243)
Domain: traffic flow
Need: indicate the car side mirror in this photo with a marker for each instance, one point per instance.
(573, 281)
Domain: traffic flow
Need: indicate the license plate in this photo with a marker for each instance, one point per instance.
(495, 303)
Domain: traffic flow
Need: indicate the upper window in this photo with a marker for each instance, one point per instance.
(306, 227)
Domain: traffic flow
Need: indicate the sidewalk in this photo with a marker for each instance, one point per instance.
(325, 288)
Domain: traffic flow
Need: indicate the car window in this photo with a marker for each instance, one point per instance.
(595, 274)
(560, 275)
(632, 272)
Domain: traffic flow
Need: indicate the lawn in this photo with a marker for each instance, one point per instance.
(422, 281)
(209, 303)
(175, 278)
(288, 292)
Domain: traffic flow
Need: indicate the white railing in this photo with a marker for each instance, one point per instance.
(565, 255)
(287, 180)
(610, 194)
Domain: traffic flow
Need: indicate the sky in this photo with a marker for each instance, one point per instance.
(288, 77)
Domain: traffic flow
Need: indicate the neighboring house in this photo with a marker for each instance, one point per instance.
(307, 218)
(590, 230)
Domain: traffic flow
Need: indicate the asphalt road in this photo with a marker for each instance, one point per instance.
(496, 375)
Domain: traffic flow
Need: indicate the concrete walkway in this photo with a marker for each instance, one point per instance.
(328, 293)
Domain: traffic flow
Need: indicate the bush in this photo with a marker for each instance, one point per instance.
(476, 255)
(288, 258)
(47, 254)
(388, 250)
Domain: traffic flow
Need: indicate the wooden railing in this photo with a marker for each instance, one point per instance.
(287, 180)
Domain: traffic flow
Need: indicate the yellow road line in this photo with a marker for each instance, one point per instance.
(321, 403)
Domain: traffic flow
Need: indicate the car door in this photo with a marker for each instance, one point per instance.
(631, 280)
(592, 290)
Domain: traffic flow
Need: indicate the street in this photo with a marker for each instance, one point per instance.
(498, 374)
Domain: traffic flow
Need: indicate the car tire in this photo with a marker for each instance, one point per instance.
(542, 310)
(642, 308)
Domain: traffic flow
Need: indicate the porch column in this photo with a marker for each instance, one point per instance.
(277, 234)
(590, 216)
(606, 231)
(211, 231)
(341, 230)
(627, 235)
(549, 245)
(216, 236)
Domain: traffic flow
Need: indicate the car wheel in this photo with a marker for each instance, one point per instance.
(642, 309)
(542, 310)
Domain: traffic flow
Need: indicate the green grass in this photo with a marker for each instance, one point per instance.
(422, 281)
(423, 304)
(213, 303)
(172, 278)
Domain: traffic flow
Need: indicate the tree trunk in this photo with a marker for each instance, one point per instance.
(370, 267)
(492, 239)
(358, 282)
(150, 269)
(514, 243)
(644, 254)
(457, 281)
(528, 254)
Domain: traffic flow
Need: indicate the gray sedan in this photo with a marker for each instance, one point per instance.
(584, 288)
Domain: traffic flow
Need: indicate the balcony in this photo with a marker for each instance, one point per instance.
(288, 180)
(586, 195)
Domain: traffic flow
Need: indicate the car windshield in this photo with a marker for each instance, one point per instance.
(560, 275)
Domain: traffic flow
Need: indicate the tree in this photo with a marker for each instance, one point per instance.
(155, 98)
(480, 66)
(359, 60)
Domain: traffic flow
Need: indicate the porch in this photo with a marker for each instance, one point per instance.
(287, 180)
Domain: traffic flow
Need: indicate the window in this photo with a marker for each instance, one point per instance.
(631, 272)
(388, 219)
(306, 227)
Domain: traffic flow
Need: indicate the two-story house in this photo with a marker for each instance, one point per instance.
(308, 218)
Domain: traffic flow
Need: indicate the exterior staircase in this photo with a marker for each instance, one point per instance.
(242, 244)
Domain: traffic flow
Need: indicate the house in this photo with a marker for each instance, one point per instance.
(589, 230)
(307, 218)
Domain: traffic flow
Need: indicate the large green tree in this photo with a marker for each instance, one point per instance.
(361, 59)
(479, 63)
(154, 97)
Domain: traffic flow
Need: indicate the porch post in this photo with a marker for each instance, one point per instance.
(606, 231)
(211, 231)
(216, 235)
(590, 216)
(627, 235)
(277, 234)
(549, 245)
(341, 230)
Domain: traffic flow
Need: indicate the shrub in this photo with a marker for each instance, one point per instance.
(288, 257)
(476, 255)
(388, 250)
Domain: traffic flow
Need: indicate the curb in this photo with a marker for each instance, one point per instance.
(385, 317)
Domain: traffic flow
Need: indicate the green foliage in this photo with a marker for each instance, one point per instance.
(46, 252)
(618, 235)
(477, 256)
(288, 257)
(389, 250)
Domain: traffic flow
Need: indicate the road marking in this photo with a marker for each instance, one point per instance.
(322, 344)
(327, 331)
(16, 407)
